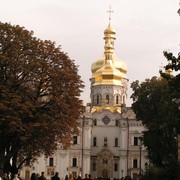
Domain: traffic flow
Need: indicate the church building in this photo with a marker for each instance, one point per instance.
(109, 144)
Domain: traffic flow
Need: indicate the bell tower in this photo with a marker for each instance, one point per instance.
(109, 80)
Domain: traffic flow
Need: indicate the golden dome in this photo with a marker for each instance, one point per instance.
(108, 74)
(109, 30)
(118, 65)
(97, 65)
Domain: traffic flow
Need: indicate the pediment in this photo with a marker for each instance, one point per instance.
(105, 153)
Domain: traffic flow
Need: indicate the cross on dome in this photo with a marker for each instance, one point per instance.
(110, 11)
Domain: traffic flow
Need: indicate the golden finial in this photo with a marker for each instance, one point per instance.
(110, 11)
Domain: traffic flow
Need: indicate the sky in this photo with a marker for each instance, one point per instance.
(144, 29)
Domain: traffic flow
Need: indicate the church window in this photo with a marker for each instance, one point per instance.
(74, 162)
(94, 166)
(107, 56)
(97, 99)
(94, 141)
(105, 161)
(106, 120)
(75, 139)
(107, 99)
(105, 141)
(117, 122)
(135, 163)
(95, 122)
(115, 167)
(124, 102)
(117, 99)
(135, 141)
(51, 161)
(116, 142)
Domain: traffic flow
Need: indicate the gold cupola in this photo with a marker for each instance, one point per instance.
(109, 69)
(109, 77)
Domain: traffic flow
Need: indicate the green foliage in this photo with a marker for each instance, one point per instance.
(153, 105)
(173, 62)
(156, 104)
(165, 173)
(173, 81)
(39, 95)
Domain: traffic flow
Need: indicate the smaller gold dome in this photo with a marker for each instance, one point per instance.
(109, 30)
(169, 71)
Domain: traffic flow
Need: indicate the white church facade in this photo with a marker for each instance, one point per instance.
(109, 144)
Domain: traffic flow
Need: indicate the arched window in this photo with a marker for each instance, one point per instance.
(116, 142)
(94, 141)
(115, 166)
(107, 56)
(94, 166)
(75, 140)
(107, 99)
(97, 99)
(105, 141)
(135, 163)
(116, 122)
(51, 161)
(95, 122)
(124, 100)
(135, 141)
(117, 99)
(74, 162)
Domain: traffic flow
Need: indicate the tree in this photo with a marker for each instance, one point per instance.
(173, 81)
(173, 62)
(39, 97)
(153, 105)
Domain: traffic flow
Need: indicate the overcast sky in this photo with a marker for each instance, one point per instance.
(144, 29)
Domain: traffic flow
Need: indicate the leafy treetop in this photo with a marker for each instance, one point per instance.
(40, 89)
